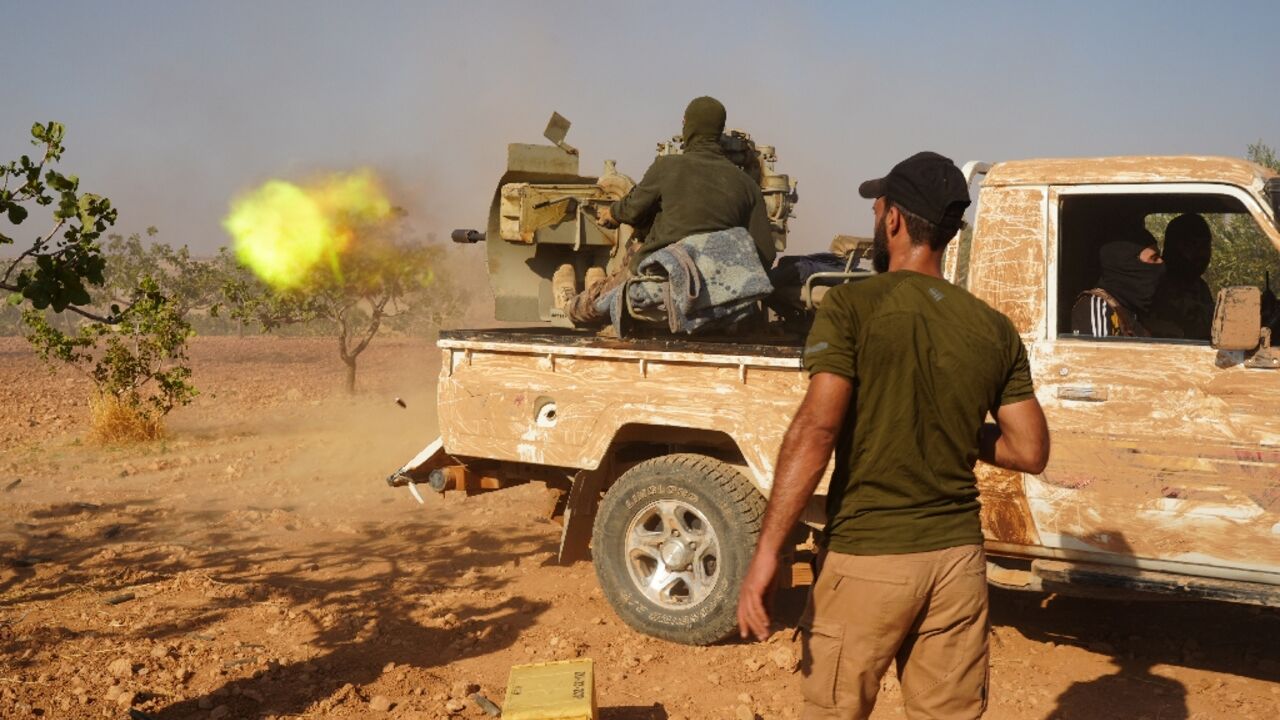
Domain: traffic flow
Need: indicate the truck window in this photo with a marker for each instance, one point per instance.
(1240, 253)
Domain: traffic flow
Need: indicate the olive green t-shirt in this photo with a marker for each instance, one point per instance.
(928, 361)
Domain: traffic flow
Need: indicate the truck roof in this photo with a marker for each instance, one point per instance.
(1129, 169)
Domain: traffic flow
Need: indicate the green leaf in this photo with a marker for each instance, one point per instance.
(14, 299)
(37, 295)
(17, 214)
(76, 293)
(37, 131)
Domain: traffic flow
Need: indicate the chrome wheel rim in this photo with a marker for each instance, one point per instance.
(673, 554)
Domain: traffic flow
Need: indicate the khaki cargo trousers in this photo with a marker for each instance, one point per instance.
(927, 611)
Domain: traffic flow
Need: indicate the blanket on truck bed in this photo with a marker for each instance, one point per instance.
(702, 282)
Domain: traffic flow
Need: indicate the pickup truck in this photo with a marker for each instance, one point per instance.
(1165, 472)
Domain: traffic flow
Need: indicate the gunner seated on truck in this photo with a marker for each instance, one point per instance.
(699, 191)
(1131, 271)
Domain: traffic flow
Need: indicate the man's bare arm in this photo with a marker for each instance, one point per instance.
(806, 449)
(1019, 439)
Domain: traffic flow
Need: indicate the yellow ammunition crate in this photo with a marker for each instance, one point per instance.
(563, 690)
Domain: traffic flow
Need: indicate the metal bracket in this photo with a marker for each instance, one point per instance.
(557, 129)
(1266, 357)
(806, 294)
(579, 515)
(1083, 393)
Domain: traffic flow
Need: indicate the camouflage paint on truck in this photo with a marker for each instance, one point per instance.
(1165, 456)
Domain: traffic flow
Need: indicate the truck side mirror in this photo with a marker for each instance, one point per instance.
(1237, 318)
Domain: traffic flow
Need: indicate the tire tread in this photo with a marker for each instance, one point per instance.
(746, 508)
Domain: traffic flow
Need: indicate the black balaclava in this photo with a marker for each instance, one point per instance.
(703, 120)
(1125, 276)
(1187, 247)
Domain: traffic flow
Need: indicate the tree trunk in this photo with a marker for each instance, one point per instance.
(351, 374)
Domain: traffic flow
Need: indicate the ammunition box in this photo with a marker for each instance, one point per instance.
(563, 690)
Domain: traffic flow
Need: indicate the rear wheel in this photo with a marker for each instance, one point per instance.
(671, 544)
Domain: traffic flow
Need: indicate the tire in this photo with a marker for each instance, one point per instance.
(671, 544)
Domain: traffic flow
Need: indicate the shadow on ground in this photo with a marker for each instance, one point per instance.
(411, 593)
(634, 712)
(1147, 642)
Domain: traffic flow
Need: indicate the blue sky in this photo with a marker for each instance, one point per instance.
(174, 107)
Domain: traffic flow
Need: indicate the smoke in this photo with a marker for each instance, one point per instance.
(283, 231)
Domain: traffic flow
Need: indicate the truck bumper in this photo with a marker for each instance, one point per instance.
(424, 466)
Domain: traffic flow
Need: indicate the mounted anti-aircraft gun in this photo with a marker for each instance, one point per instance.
(543, 232)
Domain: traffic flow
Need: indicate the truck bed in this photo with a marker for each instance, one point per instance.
(782, 347)
(496, 386)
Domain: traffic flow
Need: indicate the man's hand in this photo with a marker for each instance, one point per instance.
(604, 216)
(756, 596)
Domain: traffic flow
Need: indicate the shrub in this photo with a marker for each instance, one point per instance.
(138, 365)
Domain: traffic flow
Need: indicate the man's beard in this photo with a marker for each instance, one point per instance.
(880, 248)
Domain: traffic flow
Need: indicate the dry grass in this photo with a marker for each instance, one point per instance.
(115, 421)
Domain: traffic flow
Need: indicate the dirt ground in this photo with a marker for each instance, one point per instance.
(255, 565)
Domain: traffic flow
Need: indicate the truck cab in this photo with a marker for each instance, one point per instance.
(1165, 449)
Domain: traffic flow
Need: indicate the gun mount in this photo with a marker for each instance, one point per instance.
(543, 217)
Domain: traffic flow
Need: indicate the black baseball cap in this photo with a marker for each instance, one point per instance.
(926, 184)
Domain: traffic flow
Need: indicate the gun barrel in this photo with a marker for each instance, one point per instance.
(463, 235)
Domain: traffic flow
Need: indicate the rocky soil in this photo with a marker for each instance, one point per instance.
(254, 565)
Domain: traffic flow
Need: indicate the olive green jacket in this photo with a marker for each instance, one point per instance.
(699, 191)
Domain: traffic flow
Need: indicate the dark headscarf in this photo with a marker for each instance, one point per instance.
(1187, 246)
(1126, 277)
(703, 119)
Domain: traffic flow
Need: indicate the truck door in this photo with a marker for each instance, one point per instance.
(1166, 452)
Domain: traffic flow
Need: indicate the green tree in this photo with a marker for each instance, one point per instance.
(238, 290)
(188, 283)
(56, 269)
(136, 356)
(138, 365)
(1242, 253)
(1264, 155)
(440, 303)
(381, 279)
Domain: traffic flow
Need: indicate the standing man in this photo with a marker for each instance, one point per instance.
(697, 191)
(904, 368)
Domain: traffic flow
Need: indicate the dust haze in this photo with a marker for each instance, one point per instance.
(255, 564)
(215, 102)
